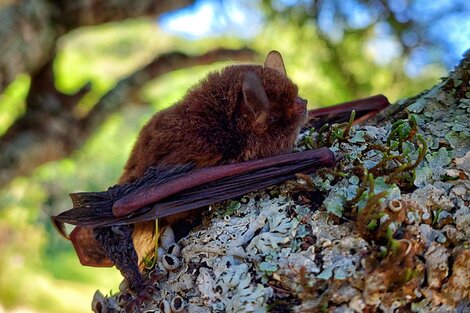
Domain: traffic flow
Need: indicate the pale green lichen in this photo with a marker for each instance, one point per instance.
(459, 141)
(399, 193)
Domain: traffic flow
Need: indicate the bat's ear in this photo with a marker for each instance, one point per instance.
(255, 99)
(274, 61)
(89, 250)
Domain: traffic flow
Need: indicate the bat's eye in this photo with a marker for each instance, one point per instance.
(273, 119)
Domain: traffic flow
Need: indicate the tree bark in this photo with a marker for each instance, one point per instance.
(386, 231)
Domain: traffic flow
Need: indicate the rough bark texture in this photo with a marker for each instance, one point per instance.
(388, 230)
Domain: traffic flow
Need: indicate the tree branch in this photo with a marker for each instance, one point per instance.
(29, 29)
(74, 14)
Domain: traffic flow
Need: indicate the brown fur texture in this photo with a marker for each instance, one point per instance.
(213, 124)
(241, 113)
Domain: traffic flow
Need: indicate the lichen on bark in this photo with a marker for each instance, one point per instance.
(387, 230)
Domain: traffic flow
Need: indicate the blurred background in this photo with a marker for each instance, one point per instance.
(80, 78)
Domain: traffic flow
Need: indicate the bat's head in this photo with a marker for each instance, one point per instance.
(245, 111)
(271, 111)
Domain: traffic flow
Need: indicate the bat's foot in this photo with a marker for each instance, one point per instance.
(138, 296)
(138, 285)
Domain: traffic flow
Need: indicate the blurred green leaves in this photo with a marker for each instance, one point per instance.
(35, 262)
(12, 103)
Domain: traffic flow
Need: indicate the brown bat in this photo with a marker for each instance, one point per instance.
(198, 146)
(241, 113)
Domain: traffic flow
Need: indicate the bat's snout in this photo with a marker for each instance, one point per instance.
(300, 106)
(301, 102)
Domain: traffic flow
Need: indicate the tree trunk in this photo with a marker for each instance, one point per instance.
(387, 230)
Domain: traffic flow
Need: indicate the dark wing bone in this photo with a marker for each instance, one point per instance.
(341, 112)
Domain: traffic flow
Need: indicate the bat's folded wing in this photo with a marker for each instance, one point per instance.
(153, 197)
(156, 198)
(160, 193)
(364, 108)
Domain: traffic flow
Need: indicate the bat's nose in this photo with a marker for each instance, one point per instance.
(301, 101)
(300, 106)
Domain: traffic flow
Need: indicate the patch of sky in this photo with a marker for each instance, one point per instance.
(327, 22)
(214, 18)
(358, 15)
(446, 25)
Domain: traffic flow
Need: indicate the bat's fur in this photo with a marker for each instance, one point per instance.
(213, 125)
(241, 113)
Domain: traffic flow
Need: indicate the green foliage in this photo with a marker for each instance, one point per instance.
(332, 73)
(38, 268)
(12, 103)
